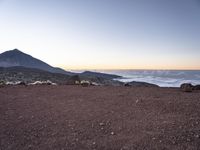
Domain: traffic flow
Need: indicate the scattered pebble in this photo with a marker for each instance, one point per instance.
(173, 142)
(112, 133)
(93, 143)
(20, 117)
(101, 124)
(188, 140)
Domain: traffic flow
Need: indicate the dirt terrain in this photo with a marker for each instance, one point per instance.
(102, 118)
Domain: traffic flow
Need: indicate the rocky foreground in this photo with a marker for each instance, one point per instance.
(98, 117)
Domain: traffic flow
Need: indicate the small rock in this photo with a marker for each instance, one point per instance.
(101, 124)
(20, 117)
(173, 142)
(111, 111)
(29, 146)
(112, 133)
(188, 140)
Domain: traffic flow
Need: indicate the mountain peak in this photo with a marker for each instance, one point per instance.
(16, 49)
(16, 57)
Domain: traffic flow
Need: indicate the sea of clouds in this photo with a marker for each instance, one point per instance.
(163, 78)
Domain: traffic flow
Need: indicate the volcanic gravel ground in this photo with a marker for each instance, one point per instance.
(98, 117)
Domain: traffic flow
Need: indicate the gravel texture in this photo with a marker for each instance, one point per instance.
(98, 118)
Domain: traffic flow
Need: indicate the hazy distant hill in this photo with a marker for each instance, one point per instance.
(100, 75)
(17, 58)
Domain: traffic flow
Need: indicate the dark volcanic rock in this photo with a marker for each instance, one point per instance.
(127, 84)
(2, 83)
(140, 84)
(21, 83)
(186, 87)
(196, 87)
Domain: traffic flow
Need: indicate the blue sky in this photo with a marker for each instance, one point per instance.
(104, 34)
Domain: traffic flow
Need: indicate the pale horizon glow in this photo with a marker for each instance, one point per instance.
(102, 34)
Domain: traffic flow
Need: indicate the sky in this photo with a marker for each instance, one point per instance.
(104, 34)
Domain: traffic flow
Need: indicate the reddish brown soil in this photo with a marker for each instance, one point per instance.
(101, 118)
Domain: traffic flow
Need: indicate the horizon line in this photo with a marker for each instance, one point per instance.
(134, 69)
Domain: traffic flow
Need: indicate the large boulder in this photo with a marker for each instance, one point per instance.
(196, 87)
(2, 83)
(127, 84)
(186, 87)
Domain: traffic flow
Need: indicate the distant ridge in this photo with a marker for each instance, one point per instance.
(16, 57)
(100, 75)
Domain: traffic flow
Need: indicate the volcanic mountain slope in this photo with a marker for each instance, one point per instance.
(29, 75)
(17, 58)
